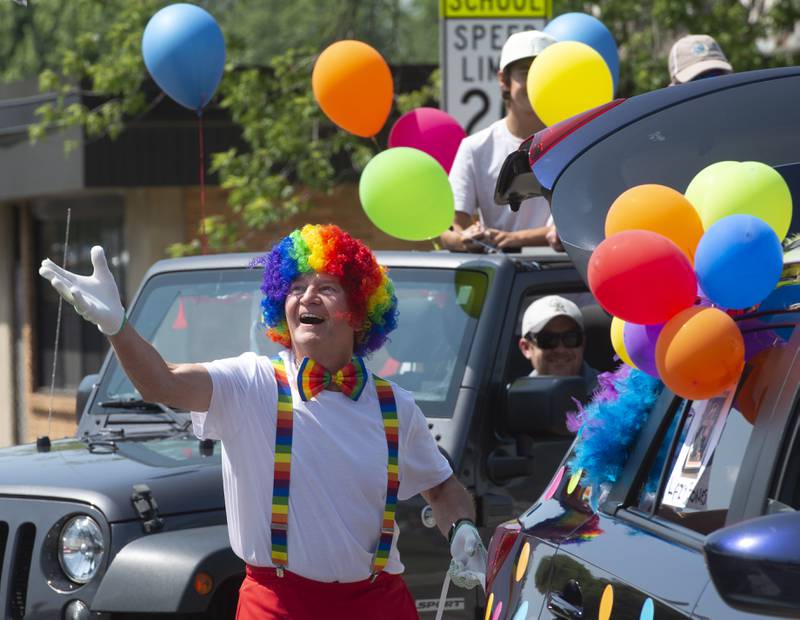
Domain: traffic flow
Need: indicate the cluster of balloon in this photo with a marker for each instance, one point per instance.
(184, 51)
(404, 190)
(674, 268)
(579, 72)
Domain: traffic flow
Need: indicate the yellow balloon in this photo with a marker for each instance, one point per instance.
(618, 342)
(568, 78)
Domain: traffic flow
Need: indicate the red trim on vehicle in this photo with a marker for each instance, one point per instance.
(547, 138)
(499, 547)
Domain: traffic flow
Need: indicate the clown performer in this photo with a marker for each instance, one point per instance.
(316, 451)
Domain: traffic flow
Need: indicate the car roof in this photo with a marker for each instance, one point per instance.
(418, 259)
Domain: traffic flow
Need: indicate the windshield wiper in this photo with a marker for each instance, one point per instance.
(137, 404)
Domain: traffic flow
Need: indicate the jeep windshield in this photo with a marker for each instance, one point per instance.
(202, 315)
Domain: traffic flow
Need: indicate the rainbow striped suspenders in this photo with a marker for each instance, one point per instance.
(283, 462)
(392, 429)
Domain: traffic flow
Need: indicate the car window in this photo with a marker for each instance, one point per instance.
(426, 354)
(691, 478)
(785, 497)
(596, 325)
(697, 486)
(202, 315)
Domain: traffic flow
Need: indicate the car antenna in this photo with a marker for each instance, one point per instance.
(43, 442)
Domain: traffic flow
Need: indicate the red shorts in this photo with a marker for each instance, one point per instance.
(265, 596)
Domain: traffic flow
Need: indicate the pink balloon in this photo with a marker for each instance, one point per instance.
(430, 130)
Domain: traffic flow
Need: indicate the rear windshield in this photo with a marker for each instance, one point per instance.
(752, 122)
(198, 316)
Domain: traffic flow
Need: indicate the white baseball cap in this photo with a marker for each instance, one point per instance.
(544, 309)
(525, 44)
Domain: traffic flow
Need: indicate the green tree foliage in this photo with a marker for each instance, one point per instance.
(405, 31)
(291, 146)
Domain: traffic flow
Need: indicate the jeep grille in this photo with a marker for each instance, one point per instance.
(19, 544)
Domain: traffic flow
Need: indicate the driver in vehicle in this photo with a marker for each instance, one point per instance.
(315, 450)
(553, 340)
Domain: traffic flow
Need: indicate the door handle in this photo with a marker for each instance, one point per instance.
(562, 608)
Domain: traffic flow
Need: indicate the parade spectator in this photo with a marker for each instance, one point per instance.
(315, 450)
(477, 164)
(696, 57)
(553, 339)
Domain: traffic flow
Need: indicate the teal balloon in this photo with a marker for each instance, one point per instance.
(647, 610)
(406, 193)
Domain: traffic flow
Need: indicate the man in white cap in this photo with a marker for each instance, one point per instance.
(695, 57)
(553, 339)
(481, 155)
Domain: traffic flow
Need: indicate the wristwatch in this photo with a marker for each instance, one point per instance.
(454, 526)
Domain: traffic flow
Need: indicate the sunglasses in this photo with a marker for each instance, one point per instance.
(550, 340)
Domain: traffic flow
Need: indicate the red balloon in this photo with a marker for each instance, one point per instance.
(641, 277)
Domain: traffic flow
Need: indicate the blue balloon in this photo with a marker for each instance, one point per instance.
(184, 51)
(590, 30)
(738, 261)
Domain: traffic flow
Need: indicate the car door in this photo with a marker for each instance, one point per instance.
(691, 465)
(770, 478)
(618, 566)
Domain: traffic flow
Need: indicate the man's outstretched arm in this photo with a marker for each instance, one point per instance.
(96, 299)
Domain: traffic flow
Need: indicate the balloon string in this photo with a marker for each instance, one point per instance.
(203, 237)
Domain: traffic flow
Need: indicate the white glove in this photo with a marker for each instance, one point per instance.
(468, 566)
(95, 297)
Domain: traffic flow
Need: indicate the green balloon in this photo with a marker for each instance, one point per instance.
(406, 193)
(748, 188)
(703, 183)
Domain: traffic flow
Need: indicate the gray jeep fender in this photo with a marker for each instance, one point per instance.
(155, 574)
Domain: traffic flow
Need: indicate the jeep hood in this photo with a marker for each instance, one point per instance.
(180, 478)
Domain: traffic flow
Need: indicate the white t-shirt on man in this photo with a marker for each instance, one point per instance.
(474, 174)
(337, 491)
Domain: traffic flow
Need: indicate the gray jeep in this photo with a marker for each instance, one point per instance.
(126, 520)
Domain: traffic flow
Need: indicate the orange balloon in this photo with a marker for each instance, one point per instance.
(700, 353)
(658, 208)
(353, 86)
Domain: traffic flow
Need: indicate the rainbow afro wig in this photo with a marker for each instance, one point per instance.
(328, 249)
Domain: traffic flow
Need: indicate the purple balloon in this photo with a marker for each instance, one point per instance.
(430, 130)
(640, 343)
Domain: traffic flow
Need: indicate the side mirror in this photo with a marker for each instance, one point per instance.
(516, 181)
(85, 388)
(754, 564)
(538, 405)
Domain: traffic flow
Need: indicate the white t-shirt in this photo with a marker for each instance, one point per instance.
(474, 174)
(338, 480)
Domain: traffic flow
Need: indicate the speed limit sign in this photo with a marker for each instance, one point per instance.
(472, 36)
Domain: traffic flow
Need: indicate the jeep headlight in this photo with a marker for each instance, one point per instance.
(81, 548)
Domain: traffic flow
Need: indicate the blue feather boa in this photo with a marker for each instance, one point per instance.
(609, 425)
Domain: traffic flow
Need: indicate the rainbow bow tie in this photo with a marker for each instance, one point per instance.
(312, 378)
